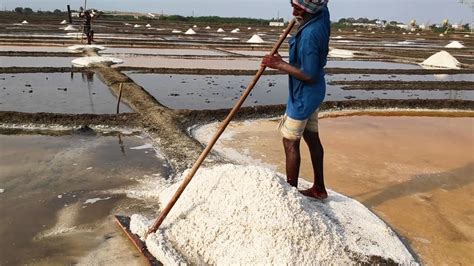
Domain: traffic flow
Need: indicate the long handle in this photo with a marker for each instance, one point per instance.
(216, 136)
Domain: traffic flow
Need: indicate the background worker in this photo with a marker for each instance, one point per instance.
(88, 15)
(307, 88)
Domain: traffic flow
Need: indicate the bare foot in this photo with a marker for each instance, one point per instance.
(313, 193)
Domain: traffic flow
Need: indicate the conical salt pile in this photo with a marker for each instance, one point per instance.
(255, 39)
(235, 30)
(136, 26)
(148, 25)
(190, 32)
(442, 59)
(208, 28)
(220, 30)
(454, 44)
(70, 28)
(63, 22)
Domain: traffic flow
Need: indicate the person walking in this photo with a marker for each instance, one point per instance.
(308, 51)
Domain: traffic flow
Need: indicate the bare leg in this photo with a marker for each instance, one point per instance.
(318, 190)
(293, 160)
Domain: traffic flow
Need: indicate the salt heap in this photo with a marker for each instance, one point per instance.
(175, 31)
(63, 22)
(454, 44)
(89, 61)
(220, 30)
(137, 26)
(190, 32)
(255, 39)
(237, 30)
(70, 28)
(441, 59)
(248, 215)
(208, 28)
(340, 53)
(86, 47)
(148, 25)
(24, 22)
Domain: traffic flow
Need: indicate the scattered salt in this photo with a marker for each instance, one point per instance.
(89, 168)
(340, 53)
(145, 146)
(94, 200)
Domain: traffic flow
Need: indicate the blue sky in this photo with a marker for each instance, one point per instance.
(432, 11)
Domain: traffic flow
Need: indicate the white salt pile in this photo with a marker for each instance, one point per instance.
(454, 44)
(441, 59)
(86, 47)
(230, 39)
(148, 25)
(70, 28)
(2, 190)
(237, 30)
(255, 39)
(220, 30)
(249, 215)
(208, 28)
(340, 53)
(63, 22)
(176, 31)
(249, 28)
(195, 26)
(137, 26)
(190, 32)
(24, 22)
(95, 60)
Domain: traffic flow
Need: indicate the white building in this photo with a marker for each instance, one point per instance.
(276, 24)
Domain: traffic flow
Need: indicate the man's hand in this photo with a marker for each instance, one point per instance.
(273, 61)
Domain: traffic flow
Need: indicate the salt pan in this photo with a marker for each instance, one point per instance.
(232, 214)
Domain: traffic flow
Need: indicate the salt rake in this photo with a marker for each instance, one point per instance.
(124, 222)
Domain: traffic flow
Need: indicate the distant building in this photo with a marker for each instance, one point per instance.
(276, 24)
(402, 26)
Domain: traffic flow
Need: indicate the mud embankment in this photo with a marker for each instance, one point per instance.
(403, 85)
(161, 122)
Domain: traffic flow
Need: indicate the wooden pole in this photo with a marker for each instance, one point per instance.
(216, 136)
(119, 98)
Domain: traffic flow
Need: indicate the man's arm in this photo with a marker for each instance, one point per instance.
(276, 62)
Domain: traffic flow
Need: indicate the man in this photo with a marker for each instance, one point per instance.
(307, 88)
(88, 15)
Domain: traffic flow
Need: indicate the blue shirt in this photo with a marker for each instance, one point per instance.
(308, 51)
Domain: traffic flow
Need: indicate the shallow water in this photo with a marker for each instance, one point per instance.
(222, 91)
(72, 93)
(34, 61)
(56, 193)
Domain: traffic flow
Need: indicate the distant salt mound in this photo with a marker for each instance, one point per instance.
(63, 22)
(220, 30)
(176, 31)
(454, 44)
(249, 215)
(441, 59)
(70, 28)
(190, 32)
(195, 26)
(208, 28)
(255, 39)
(148, 25)
(24, 22)
(136, 26)
(249, 28)
(340, 53)
(90, 61)
(237, 30)
(230, 39)
(82, 48)
(466, 36)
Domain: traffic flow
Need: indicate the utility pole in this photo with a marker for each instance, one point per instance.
(85, 5)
